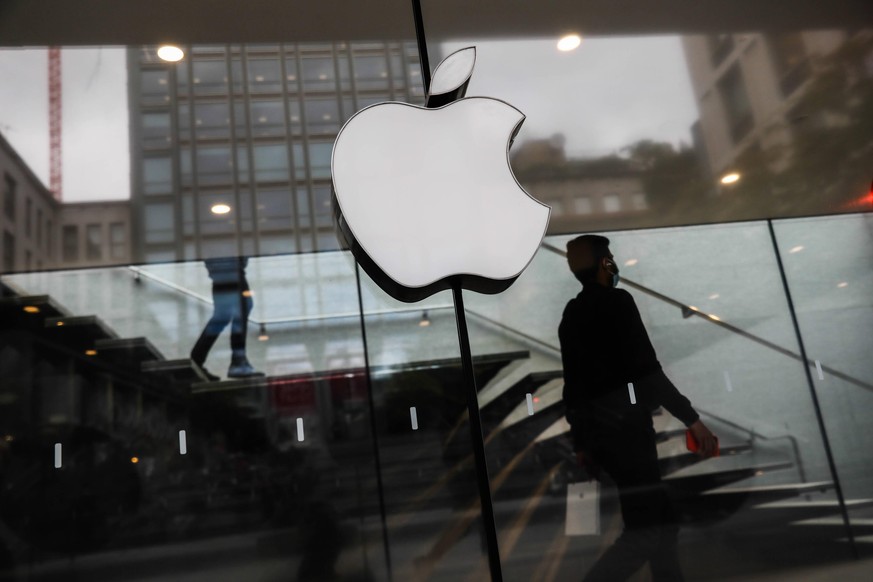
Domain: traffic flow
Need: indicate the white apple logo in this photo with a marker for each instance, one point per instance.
(424, 195)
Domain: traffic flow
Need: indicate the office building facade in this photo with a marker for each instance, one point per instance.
(249, 128)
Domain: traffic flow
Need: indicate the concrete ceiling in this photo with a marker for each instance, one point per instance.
(130, 22)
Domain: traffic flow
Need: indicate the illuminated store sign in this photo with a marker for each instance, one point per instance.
(426, 194)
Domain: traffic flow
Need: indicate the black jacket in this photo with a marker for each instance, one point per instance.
(604, 346)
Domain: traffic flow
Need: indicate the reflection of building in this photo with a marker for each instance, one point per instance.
(747, 87)
(584, 193)
(282, 106)
(38, 232)
(95, 233)
(27, 217)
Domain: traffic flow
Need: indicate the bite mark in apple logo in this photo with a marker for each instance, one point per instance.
(424, 195)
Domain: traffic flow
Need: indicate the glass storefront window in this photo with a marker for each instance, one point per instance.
(322, 115)
(318, 73)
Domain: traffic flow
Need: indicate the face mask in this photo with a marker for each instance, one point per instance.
(612, 268)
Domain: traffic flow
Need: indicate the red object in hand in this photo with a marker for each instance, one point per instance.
(692, 445)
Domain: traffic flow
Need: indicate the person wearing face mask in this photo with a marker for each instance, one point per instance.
(604, 348)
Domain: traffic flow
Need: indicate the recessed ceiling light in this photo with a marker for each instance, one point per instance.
(31, 309)
(796, 249)
(714, 296)
(170, 53)
(731, 178)
(842, 284)
(90, 352)
(569, 42)
(220, 209)
(630, 262)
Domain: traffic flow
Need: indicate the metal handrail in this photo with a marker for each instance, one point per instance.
(689, 310)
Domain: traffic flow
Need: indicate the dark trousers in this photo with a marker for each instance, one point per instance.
(622, 442)
(230, 305)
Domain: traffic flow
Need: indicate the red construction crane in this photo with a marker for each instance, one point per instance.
(56, 173)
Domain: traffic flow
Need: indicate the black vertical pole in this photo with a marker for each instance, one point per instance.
(478, 442)
(422, 44)
(373, 427)
(815, 404)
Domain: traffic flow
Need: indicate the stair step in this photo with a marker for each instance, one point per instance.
(765, 493)
(181, 370)
(80, 330)
(825, 504)
(137, 349)
(46, 305)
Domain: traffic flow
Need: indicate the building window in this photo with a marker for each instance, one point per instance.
(28, 216)
(94, 242)
(323, 211)
(264, 76)
(582, 205)
(210, 77)
(158, 222)
(611, 203)
(70, 243)
(214, 165)
(371, 72)
(639, 201)
(274, 210)
(322, 115)
(212, 120)
(157, 176)
(9, 194)
(736, 103)
(156, 130)
(49, 237)
(155, 88)
(271, 163)
(319, 159)
(790, 61)
(720, 46)
(8, 252)
(318, 74)
(117, 241)
(38, 227)
(267, 118)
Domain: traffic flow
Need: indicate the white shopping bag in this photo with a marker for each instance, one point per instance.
(583, 509)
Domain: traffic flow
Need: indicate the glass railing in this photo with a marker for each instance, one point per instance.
(353, 453)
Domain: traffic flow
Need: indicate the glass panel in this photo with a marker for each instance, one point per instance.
(167, 460)
(267, 118)
(828, 265)
(727, 343)
(158, 223)
(424, 441)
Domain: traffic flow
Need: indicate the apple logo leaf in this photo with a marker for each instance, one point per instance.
(451, 77)
(425, 197)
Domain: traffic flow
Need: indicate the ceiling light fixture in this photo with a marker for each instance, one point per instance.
(262, 336)
(569, 42)
(796, 249)
(31, 309)
(170, 53)
(630, 262)
(842, 284)
(731, 178)
(220, 209)
(425, 320)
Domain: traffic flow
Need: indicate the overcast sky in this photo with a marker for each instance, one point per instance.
(607, 94)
